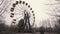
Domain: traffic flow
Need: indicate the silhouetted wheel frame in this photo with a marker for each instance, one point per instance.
(28, 11)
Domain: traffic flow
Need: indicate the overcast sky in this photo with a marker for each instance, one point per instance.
(43, 10)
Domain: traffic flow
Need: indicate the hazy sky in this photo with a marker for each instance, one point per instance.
(43, 9)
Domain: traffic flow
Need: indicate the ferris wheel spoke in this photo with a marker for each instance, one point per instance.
(20, 12)
(17, 8)
(19, 17)
(20, 7)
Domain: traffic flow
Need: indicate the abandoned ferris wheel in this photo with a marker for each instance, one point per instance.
(19, 14)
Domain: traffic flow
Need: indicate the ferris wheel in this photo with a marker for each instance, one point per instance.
(18, 12)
